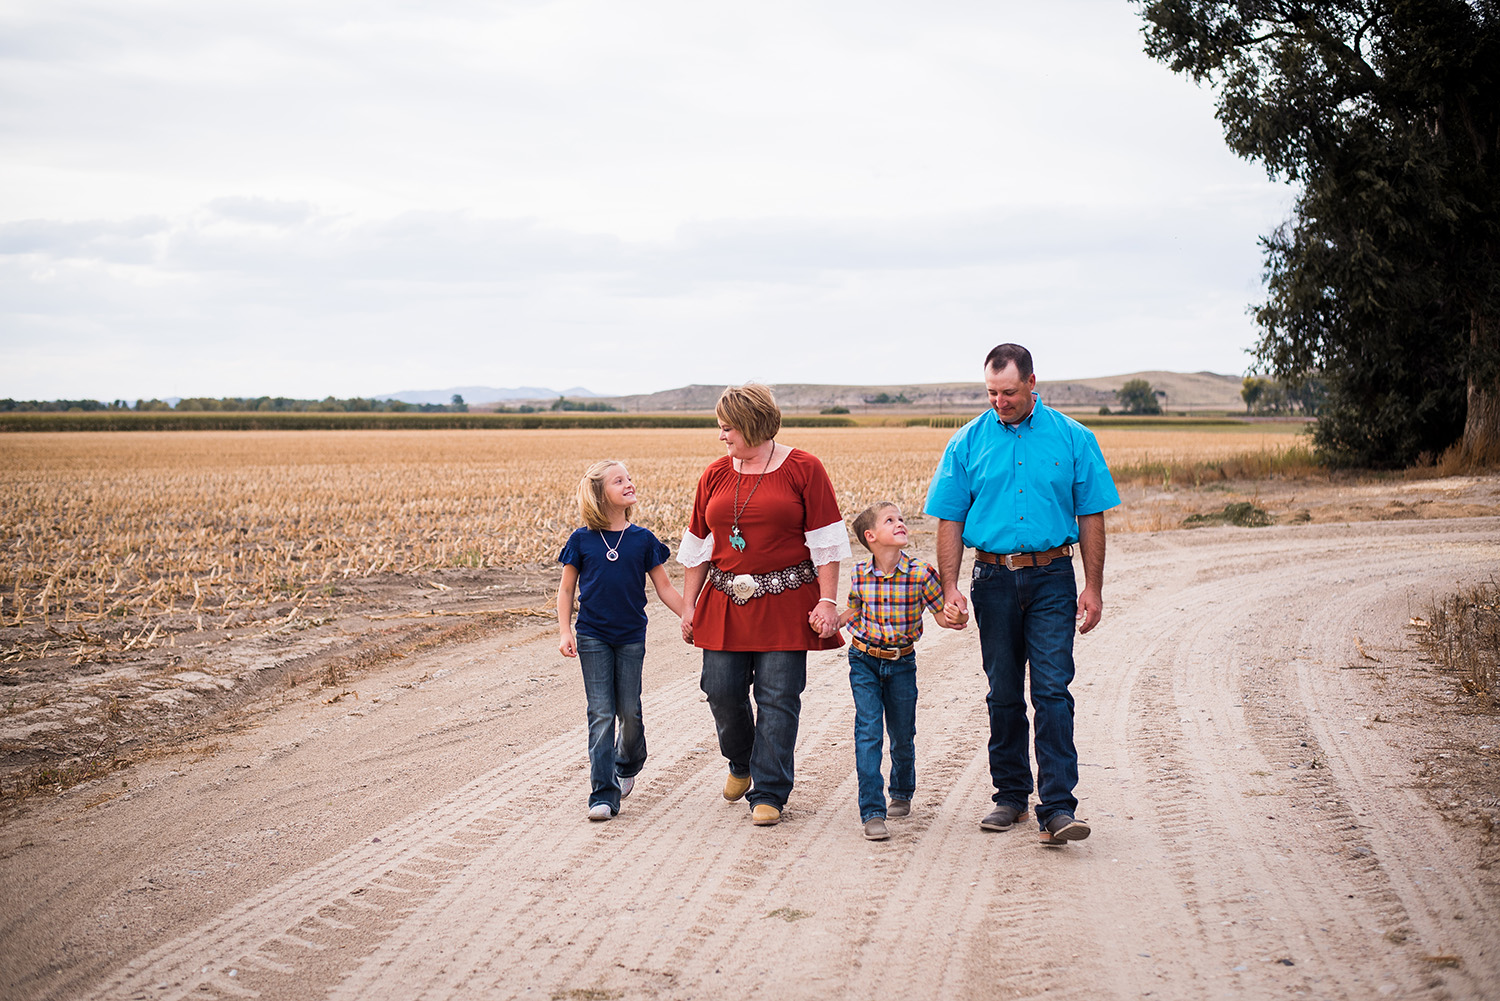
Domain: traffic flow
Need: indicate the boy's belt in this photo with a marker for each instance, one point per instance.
(882, 652)
(1013, 561)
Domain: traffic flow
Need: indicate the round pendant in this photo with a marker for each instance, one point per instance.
(612, 555)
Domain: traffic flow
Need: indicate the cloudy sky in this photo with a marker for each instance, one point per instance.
(326, 197)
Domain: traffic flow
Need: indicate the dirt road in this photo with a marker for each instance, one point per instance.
(1250, 749)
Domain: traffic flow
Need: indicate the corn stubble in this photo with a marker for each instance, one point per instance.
(106, 540)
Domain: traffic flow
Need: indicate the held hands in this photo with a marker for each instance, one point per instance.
(955, 611)
(1090, 608)
(567, 646)
(687, 625)
(824, 619)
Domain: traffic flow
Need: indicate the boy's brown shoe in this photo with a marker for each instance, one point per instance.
(899, 808)
(736, 786)
(1062, 828)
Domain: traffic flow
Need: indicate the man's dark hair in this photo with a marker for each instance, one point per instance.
(1001, 355)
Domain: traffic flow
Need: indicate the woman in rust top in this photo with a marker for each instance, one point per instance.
(762, 555)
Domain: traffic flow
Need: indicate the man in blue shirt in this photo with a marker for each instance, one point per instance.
(1021, 484)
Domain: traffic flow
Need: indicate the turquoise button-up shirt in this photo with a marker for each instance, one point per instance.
(1020, 488)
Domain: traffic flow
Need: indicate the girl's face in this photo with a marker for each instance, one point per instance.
(619, 492)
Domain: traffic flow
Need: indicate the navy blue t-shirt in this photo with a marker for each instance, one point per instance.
(612, 595)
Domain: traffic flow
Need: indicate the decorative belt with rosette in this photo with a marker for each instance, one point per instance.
(742, 587)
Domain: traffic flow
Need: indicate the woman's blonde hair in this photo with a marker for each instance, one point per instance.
(751, 410)
(591, 494)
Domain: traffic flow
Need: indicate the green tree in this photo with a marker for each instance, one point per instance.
(1385, 280)
(1137, 397)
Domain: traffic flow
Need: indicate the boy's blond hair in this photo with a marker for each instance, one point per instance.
(865, 520)
(591, 494)
(751, 410)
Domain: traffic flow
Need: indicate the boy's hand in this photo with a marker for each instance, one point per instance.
(956, 611)
(567, 646)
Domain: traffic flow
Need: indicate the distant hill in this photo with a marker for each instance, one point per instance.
(484, 394)
(1186, 391)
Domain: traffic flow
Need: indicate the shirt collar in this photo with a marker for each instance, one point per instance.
(903, 566)
(1030, 421)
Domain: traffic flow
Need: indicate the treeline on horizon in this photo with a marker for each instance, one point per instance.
(284, 405)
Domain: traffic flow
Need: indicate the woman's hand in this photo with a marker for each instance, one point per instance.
(566, 645)
(824, 619)
(687, 626)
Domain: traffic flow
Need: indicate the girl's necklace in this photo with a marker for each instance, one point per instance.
(612, 553)
(736, 539)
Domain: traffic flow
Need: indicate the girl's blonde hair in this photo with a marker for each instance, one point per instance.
(591, 494)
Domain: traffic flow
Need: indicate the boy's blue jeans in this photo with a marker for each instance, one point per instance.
(612, 686)
(885, 698)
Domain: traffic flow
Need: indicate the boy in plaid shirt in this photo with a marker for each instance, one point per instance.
(886, 599)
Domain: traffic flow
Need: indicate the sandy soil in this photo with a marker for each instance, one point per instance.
(1256, 735)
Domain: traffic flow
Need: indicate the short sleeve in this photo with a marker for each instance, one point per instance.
(659, 554)
(948, 495)
(1093, 488)
(856, 594)
(819, 502)
(571, 553)
(932, 588)
(698, 540)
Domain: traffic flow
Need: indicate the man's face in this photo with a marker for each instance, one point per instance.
(1010, 394)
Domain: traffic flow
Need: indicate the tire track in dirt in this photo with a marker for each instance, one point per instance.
(1192, 700)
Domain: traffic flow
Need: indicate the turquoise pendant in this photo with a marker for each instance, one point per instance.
(736, 540)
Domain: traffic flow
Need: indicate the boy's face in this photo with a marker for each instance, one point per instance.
(889, 530)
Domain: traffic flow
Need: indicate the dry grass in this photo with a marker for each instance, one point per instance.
(1461, 633)
(104, 535)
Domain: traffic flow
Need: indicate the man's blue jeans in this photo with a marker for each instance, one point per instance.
(612, 686)
(759, 744)
(1028, 615)
(885, 699)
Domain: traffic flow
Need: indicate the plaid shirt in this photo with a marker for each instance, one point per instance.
(888, 609)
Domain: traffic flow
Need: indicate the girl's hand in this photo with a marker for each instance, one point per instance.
(567, 646)
(687, 627)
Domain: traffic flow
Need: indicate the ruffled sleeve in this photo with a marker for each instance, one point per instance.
(698, 541)
(694, 550)
(828, 544)
(571, 554)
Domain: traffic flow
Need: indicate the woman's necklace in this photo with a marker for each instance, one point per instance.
(736, 539)
(612, 553)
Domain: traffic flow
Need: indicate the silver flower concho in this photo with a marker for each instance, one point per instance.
(743, 586)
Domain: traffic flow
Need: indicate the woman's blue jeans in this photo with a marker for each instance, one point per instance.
(1027, 615)
(885, 700)
(612, 685)
(759, 744)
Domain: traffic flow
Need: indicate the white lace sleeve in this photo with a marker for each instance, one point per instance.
(694, 550)
(827, 544)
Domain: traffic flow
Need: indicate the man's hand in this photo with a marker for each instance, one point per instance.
(955, 609)
(1090, 608)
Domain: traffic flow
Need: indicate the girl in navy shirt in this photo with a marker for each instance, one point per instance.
(608, 562)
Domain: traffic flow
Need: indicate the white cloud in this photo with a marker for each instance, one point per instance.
(340, 197)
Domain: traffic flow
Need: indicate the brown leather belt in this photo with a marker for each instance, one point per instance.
(881, 652)
(1015, 561)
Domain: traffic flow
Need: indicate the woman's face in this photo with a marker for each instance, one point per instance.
(734, 442)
